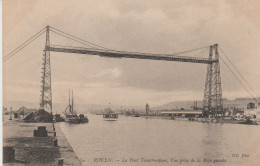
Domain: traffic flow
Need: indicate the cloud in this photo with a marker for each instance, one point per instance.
(114, 73)
(142, 26)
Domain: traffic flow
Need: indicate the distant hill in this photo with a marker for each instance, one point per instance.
(238, 102)
(60, 107)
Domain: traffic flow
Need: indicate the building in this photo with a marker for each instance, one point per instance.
(183, 113)
(147, 108)
(24, 111)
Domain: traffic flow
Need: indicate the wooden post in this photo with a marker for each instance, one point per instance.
(41, 127)
(55, 143)
(8, 154)
(60, 162)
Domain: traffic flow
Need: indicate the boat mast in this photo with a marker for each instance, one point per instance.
(69, 102)
(72, 104)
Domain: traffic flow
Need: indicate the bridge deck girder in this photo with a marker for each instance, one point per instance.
(123, 54)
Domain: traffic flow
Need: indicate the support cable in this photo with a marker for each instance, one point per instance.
(243, 78)
(238, 79)
(27, 42)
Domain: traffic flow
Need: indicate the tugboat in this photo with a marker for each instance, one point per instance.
(58, 118)
(109, 115)
(172, 117)
(136, 115)
(243, 120)
(71, 116)
(253, 110)
(10, 118)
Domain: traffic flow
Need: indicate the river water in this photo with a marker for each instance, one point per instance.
(156, 141)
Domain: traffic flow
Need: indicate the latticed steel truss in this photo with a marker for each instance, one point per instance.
(212, 102)
(46, 93)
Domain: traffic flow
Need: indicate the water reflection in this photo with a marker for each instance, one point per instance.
(213, 141)
(130, 137)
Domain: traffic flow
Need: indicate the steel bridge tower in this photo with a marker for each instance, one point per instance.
(46, 94)
(212, 102)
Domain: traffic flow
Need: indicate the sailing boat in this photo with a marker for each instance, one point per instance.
(71, 115)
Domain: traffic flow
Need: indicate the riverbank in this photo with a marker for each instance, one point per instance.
(229, 120)
(30, 150)
(66, 151)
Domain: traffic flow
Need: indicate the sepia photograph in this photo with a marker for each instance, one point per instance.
(130, 82)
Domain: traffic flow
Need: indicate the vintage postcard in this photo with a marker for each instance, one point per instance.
(129, 83)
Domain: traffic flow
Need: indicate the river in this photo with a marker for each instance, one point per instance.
(156, 141)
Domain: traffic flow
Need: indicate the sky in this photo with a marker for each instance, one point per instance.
(155, 26)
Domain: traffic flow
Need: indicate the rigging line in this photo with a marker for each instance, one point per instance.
(72, 39)
(250, 87)
(24, 45)
(44, 29)
(238, 79)
(81, 39)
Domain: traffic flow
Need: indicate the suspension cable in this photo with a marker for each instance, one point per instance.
(64, 34)
(192, 50)
(27, 42)
(80, 39)
(72, 39)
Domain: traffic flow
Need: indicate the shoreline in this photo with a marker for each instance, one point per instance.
(204, 120)
(67, 152)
